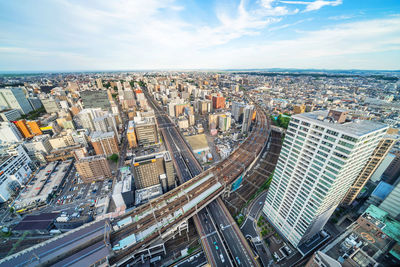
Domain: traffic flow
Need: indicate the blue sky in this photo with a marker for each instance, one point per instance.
(56, 35)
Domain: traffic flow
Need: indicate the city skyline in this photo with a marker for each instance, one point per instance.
(74, 36)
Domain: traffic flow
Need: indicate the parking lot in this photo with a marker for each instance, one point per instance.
(77, 191)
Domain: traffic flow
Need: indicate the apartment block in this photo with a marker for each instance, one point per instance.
(93, 168)
(322, 155)
(104, 143)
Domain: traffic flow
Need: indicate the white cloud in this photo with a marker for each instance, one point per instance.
(315, 5)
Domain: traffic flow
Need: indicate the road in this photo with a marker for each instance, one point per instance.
(229, 230)
(187, 167)
(196, 260)
(217, 247)
(249, 229)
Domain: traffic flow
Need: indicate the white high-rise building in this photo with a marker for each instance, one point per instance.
(392, 201)
(9, 133)
(15, 98)
(15, 171)
(321, 156)
(247, 117)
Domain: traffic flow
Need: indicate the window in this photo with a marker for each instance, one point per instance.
(346, 144)
(349, 138)
(332, 132)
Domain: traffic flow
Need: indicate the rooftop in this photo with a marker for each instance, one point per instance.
(36, 222)
(197, 142)
(355, 128)
(100, 135)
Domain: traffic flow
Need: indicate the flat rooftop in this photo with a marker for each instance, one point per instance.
(353, 128)
(198, 142)
(44, 183)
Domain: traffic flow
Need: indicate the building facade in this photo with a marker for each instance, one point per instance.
(374, 161)
(15, 170)
(154, 169)
(14, 98)
(93, 168)
(104, 143)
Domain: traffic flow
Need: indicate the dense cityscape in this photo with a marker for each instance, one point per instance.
(202, 133)
(226, 168)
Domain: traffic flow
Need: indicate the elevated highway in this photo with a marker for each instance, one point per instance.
(160, 217)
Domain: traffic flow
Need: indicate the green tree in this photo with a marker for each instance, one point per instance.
(113, 157)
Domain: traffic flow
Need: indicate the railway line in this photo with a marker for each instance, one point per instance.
(137, 228)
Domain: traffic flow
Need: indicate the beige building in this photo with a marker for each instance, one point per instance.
(93, 168)
(146, 131)
(61, 141)
(104, 143)
(154, 169)
(130, 135)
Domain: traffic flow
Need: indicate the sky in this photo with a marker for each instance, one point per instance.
(76, 35)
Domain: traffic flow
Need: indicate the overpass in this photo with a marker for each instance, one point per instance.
(161, 217)
(118, 240)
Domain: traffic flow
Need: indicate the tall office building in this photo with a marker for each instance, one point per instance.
(15, 171)
(392, 172)
(93, 168)
(374, 161)
(104, 143)
(95, 99)
(247, 117)
(130, 135)
(51, 105)
(99, 83)
(15, 98)
(218, 102)
(10, 115)
(237, 111)
(321, 156)
(224, 122)
(391, 203)
(154, 169)
(9, 133)
(146, 131)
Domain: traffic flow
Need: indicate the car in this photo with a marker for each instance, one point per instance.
(237, 260)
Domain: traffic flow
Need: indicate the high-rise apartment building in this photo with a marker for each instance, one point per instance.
(104, 143)
(224, 122)
(154, 169)
(15, 98)
(218, 102)
(321, 156)
(93, 168)
(237, 111)
(374, 161)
